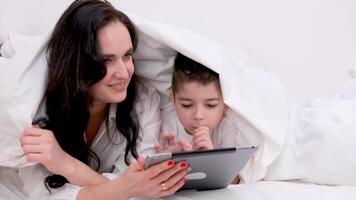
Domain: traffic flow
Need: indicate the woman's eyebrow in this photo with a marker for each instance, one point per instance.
(130, 50)
(107, 55)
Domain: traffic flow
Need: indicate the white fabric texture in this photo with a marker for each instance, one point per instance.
(272, 190)
(320, 147)
(22, 86)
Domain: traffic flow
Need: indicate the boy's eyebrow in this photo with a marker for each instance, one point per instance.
(213, 99)
(184, 99)
(210, 99)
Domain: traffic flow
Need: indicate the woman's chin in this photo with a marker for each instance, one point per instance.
(118, 98)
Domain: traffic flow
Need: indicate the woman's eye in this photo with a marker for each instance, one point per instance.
(186, 105)
(107, 60)
(127, 56)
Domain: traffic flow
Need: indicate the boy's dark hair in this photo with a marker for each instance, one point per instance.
(187, 70)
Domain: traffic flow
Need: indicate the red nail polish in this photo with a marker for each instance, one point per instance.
(183, 164)
(185, 181)
(170, 163)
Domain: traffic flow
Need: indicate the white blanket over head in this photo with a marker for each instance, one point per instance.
(257, 97)
(22, 86)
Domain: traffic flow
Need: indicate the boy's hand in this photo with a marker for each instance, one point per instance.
(201, 139)
(170, 144)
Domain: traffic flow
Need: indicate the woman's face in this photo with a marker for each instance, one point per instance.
(116, 49)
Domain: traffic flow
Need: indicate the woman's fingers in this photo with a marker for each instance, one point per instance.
(138, 165)
(172, 179)
(178, 168)
(159, 168)
(170, 191)
(30, 148)
(27, 140)
(34, 157)
(31, 131)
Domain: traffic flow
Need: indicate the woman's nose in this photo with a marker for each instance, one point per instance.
(121, 71)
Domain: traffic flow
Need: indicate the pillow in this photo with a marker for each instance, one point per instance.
(321, 144)
(22, 85)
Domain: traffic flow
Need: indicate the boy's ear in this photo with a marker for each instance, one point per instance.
(172, 98)
(225, 108)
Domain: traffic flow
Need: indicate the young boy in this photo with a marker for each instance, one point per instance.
(199, 118)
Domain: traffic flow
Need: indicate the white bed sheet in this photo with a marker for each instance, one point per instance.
(272, 190)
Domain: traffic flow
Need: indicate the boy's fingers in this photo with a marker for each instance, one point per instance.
(165, 140)
(158, 148)
(171, 139)
(185, 145)
(202, 129)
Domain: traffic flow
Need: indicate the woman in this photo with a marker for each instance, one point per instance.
(97, 112)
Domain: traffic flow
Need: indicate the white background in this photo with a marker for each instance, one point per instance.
(309, 44)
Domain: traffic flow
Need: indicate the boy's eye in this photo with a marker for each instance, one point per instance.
(186, 105)
(211, 105)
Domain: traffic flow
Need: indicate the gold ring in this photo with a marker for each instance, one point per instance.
(163, 187)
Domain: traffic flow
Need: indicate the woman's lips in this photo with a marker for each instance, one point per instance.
(118, 86)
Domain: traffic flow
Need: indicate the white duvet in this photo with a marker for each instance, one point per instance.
(272, 190)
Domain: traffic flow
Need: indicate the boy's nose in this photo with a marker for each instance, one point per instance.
(199, 115)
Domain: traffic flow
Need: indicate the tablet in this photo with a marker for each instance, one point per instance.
(211, 169)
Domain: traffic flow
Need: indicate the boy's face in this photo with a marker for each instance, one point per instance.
(199, 105)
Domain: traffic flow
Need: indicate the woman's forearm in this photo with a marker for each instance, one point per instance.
(78, 173)
(110, 190)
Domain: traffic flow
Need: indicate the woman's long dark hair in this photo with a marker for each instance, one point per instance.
(74, 65)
